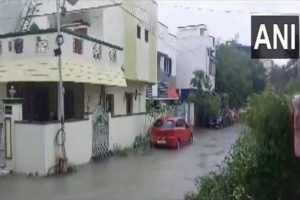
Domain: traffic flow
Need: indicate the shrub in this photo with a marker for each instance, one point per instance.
(142, 142)
(118, 150)
(260, 165)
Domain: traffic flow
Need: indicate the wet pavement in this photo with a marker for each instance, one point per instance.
(160, 175)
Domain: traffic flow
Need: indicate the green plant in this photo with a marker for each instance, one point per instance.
(118, 150)
(260, 165)
(207, 102)
(142, 142)
(34, 27)
(292, 87)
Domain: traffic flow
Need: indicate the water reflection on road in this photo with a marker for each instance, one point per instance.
(160, 175)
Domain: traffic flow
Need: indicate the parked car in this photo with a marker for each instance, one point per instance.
(224, 118)
(171, 132)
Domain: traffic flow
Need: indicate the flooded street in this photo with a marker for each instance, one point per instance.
(161, 175)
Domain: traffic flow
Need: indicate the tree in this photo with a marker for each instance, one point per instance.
(237, 74)
(34, 27)
(207, 102)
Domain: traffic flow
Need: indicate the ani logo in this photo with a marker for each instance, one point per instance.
(275, 37)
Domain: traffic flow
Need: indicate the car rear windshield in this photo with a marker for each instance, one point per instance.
(164, 124)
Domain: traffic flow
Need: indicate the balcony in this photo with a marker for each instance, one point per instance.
(29, 57)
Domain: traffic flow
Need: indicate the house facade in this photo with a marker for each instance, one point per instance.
(196, 51)
(108, 58)
(165, 89)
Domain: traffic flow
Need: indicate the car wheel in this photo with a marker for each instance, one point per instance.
(191, 139)
(178, 146)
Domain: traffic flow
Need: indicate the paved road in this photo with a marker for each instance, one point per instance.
(161, 175)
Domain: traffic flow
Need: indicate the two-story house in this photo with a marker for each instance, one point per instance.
(196, 51)
(108, 57)
(165, 89)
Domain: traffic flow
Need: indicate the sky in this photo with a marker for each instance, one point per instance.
(225, 19)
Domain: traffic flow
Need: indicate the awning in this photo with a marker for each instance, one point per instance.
(172, 93)
(46, 70)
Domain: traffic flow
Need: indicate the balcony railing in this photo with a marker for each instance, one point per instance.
(39, 44)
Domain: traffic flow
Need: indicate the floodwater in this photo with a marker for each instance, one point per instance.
(162, 174)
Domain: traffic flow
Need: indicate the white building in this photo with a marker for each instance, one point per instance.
(196, 51)
(165, 90)
(108, 57)
(268, 65)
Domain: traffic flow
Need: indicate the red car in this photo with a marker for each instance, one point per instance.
(171, 132)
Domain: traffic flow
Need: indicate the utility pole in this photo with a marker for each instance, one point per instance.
(61, 115)
(61, 135)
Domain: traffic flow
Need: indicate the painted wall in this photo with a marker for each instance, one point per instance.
(192, 55)
(3, 90)
(30, 50)
(134, 124)
(113, 25)
(92, 97)
(8, 20)
(139, 104)
(117, 26)
(167, 44)
(121, 26)
(35, 149)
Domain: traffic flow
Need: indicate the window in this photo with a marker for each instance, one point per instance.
(202, 31)
(212, 68)
(81, 31)
(18, 45)
(164, 124)
(169, 71)
(110, 103)
(138, 32)
(146, 35)
(180, 123)
(77, 46)
(129, 103)
(168, 66)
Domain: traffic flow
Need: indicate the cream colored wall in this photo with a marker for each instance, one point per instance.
(30, 148)
(139, 105)
(118, 135)
(91, 97)
(120, 26)
(113, 25)
(35, 149)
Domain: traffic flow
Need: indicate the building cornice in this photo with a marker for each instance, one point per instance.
(53, 30)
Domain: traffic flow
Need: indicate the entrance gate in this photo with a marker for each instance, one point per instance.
(100, 133)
